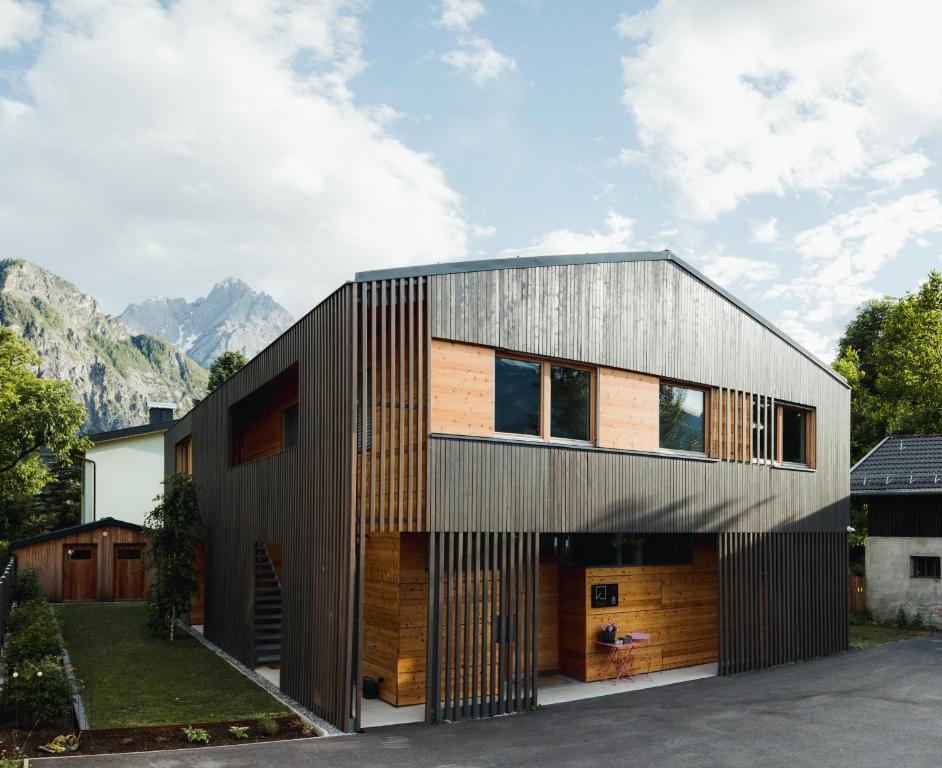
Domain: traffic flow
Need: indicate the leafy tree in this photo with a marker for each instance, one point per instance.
(223, 367)
(173, 529)
(891, 354)
(36, 415)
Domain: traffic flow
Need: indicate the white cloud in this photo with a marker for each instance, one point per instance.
(484, 230)
(163, 146)
(732, 100)
(840, 259)
(474, 55)
(616, 237)
(20, 23)
(458, 14)
(732, 270)
(765, 231)
(477, 58)
(900, 169)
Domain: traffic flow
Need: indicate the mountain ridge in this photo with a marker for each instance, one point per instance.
(231, 317)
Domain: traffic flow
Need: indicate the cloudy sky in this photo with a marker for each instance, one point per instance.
(791, 151)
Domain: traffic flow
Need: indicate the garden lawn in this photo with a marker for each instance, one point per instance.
(130, 678)
(871, 635)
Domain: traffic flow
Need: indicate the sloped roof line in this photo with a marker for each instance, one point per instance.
(105, 522)
(526, 262)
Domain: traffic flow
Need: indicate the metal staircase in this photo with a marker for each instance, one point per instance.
(267, 609)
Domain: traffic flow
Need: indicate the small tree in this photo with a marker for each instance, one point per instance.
(223, 367)
(173, 529)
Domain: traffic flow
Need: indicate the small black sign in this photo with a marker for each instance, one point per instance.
(604, 595)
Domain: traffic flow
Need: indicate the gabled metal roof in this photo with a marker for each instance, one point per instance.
(900, 464)
(140, 429)
(527, 262)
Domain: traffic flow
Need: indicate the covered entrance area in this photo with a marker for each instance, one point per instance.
(508, 621)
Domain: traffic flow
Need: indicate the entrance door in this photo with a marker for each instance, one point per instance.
(80, 572)
(128, 572)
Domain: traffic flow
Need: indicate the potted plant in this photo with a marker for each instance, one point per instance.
(607, 635)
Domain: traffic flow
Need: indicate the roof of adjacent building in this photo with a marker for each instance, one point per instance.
(526, 262)
(75, 530)
(900, 464)
(141, 429)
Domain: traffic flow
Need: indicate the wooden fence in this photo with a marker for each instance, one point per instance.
(7, 585)
(857, 594)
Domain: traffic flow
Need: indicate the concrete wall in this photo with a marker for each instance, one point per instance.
(889, 584)
(128, 475)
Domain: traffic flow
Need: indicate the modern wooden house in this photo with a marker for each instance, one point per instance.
(102, 560)
(901, 482)
(463, 469)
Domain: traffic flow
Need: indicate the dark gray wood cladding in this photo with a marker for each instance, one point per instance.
(497, 485)
(782, 598)
(909, 514)
(483, 624)
(302, 498)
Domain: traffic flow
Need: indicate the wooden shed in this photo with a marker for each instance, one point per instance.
(102, 560)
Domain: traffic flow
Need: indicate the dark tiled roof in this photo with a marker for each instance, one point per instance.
(900, 464)
(74, 531)
(141, 429)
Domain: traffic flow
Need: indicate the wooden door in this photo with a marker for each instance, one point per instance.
(128, 572)
(80, 572)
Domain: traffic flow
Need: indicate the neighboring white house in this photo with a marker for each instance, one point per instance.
(122, 472)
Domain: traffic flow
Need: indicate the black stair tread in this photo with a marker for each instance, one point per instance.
(266, 659)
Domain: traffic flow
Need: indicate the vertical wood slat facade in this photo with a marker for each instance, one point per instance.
(483, 624)
(301, 498)
(783, 598)
(393, 378)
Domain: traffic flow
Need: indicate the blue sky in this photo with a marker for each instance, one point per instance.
(790, 152)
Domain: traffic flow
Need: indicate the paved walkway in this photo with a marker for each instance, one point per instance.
(881, 707)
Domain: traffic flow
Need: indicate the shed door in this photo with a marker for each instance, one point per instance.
(128, 572)
(80, 572)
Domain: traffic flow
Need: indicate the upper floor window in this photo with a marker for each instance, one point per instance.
(183, 456)
(266, 421)
(542, 399)
(794, 436)
(682, 422)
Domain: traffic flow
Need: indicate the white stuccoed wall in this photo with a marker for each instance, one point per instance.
(128, 475)
(888, 578)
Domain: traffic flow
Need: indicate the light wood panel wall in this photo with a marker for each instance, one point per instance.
(48, 557)
(461, 390)
(628, 410)
(394, 616)
(548, 617)
(677, 604)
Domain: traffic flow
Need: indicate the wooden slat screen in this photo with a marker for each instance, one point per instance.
(783, 598)
(483, 624)
(391, 383)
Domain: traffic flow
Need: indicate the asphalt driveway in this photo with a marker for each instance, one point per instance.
(880, 707)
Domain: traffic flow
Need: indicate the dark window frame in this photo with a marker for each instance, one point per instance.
(544, 432)
(925, 567)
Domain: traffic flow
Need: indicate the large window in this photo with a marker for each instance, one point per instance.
(922, 567)
(542, 399)
(517, 396)
(682, 422)
(794, 439)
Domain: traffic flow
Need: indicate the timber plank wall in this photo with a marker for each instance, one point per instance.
(300, 498)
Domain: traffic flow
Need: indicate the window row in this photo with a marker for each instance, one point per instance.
(549, 400)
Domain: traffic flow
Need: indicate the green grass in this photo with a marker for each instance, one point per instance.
(871, 635)
(132, 679)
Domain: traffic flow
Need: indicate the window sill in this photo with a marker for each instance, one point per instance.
(262, 458)
(795, 467)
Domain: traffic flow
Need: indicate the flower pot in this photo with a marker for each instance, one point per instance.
(607, 635)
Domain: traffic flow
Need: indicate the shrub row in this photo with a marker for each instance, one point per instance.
(37, 689)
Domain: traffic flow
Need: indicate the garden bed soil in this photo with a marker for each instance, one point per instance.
(156, 737)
